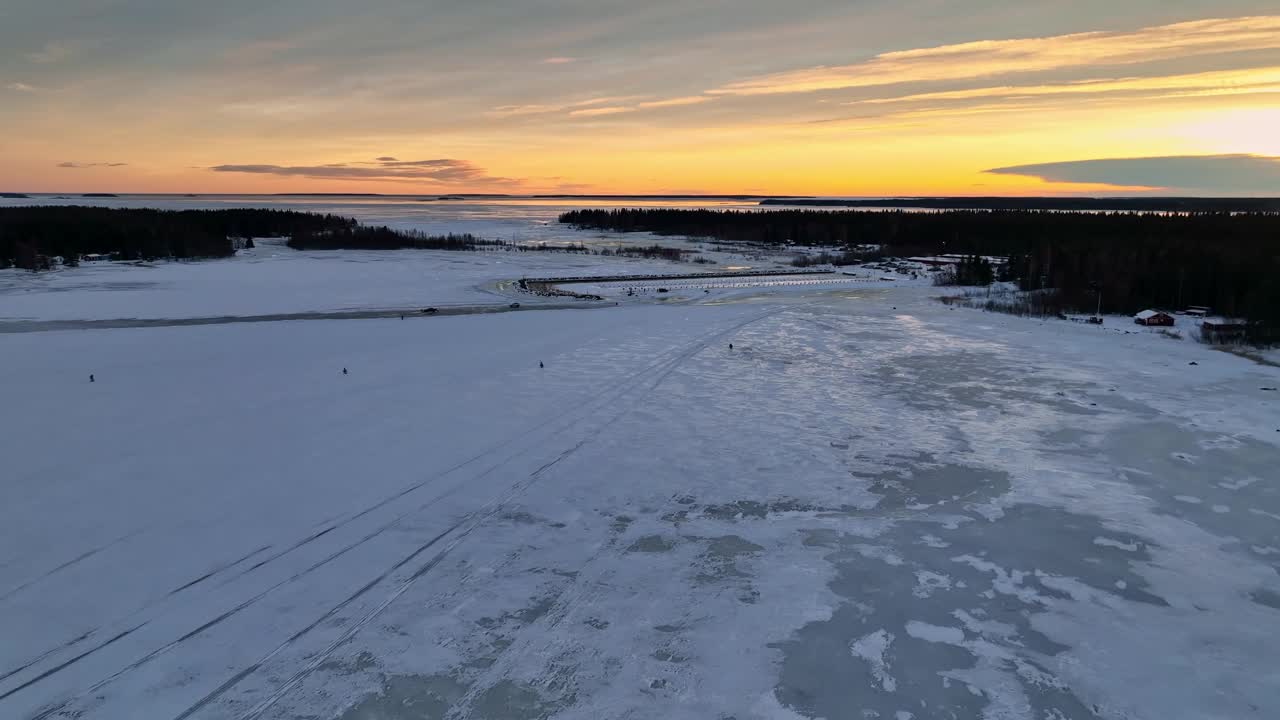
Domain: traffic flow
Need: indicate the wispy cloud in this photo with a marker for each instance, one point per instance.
(676, 102)
(647, 105)
(599, 107)
(559, 60)
(576, 107)
(51, 53)
(83, 165)
(517, 110)
(386, 168)
(599, 111)
(21, 87)
(1227, 82)
(990, 58)
(280, 107)
(1250, 174)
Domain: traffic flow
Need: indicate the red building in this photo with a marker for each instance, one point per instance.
(1153, 318)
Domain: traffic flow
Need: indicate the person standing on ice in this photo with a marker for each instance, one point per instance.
(540, 364)
(730, 346)
(344, 371)
(91, 377)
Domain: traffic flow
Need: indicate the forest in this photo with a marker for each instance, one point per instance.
(29, 235)
(361, 237)
(1227, 261)
(1124, 204)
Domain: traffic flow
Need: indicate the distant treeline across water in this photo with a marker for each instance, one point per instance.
(30, 234)
(1127, 204)
(1227, 261)
(32, 237)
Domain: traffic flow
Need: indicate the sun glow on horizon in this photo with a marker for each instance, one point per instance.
(284, 114)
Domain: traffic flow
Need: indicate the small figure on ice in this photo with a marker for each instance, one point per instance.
(730, 346)
(91, 378)
(344, 371)
(540, 364)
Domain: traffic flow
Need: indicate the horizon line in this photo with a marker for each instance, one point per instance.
(19, 194)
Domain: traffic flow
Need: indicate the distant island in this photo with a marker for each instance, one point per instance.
(1135, 204)
(99, 195)
(13, 195)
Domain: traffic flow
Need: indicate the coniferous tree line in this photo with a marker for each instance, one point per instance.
(972, 270)
(1087, 204)
(361, 237)
(1227, 261)
(29, 234)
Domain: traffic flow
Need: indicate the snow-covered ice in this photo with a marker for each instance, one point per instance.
(273, 279)
(874, 505)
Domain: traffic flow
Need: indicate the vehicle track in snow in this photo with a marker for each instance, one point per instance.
(464, 527)
(663, 370)
(603, 398)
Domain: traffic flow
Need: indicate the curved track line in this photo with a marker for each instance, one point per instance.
(350, 632)
(664, 365)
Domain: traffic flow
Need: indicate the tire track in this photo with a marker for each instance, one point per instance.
(219, 569)
(64, 665)
(76, 560)
(575, 591)
(320, 658)
(602, 398)
(299, 545)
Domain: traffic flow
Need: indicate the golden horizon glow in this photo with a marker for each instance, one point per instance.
(280, 114)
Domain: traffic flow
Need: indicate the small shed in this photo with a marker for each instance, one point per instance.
(1153, 318)
(1218, 329)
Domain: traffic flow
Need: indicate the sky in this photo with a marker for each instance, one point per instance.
(808, 97)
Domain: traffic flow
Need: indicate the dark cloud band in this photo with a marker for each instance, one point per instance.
(387, 168)
(1251, 174)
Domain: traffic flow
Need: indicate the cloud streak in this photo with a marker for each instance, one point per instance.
(386, 168)
(83, 166)
(990, 58)
(599, 111)
(1227, 82)
(588, 107)
(1250, 174)
(675, 102)
(599, 107)
(50, 53)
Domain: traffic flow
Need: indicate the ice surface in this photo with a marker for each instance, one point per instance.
(873, 506)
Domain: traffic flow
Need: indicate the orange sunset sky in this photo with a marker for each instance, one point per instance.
(601, 96)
